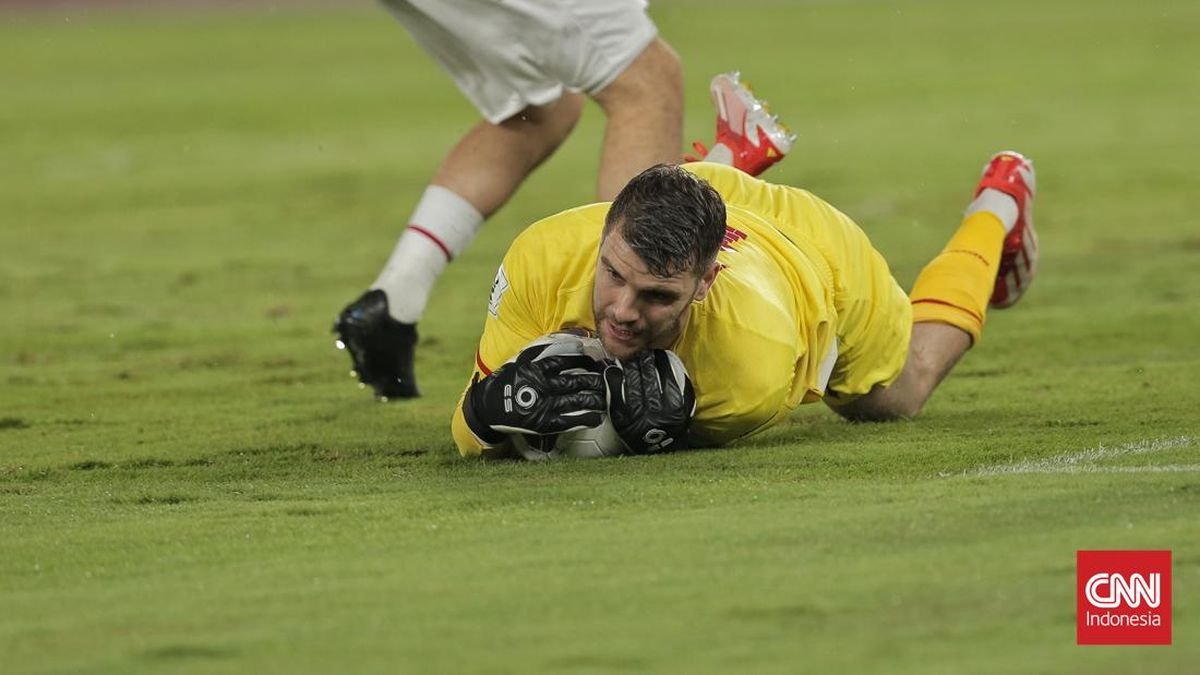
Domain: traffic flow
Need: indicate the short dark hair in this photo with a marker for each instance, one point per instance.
(673, 220)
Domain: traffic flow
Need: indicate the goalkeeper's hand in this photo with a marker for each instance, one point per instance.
(647, 406)
(550, 395)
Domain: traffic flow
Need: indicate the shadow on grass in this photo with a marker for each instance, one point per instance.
(7, 423)
(183, 652)
(234, 465)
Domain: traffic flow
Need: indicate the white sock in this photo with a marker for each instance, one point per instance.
(996, 203)
(441, 227)
(720, 154)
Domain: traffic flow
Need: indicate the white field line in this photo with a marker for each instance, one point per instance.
(1149, 468)
(1086, 461)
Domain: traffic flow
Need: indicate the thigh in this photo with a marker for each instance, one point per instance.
(599, 41)
(874, 315)
(875, 326)
(496, 52)
(507, 56)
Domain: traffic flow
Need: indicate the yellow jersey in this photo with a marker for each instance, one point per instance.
(801, 303)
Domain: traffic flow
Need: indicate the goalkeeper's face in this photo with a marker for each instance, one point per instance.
(634, 309)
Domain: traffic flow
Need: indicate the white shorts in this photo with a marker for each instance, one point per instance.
(506, 55)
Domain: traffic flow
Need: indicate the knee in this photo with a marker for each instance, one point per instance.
(883, 404)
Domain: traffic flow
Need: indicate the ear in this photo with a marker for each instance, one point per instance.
(706, 282)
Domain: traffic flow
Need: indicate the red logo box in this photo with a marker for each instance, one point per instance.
(1123, 597)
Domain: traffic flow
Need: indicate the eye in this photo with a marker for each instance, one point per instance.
(661, 297)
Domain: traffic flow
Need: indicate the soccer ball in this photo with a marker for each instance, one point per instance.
(601, 441)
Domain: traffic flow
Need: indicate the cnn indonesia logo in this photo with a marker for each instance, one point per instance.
(1123, 597)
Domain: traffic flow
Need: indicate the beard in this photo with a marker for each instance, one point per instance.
(623, 342)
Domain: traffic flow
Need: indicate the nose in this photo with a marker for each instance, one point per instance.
(624, 308)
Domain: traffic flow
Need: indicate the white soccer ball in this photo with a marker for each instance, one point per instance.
(601, 441)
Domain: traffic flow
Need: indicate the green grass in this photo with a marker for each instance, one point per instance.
(189, 481)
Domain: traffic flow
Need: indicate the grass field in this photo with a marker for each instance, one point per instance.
(190, 482)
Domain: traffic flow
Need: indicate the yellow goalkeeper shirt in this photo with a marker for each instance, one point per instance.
(798, 282)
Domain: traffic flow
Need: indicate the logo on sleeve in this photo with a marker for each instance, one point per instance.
(1123, 597)
(499, 288)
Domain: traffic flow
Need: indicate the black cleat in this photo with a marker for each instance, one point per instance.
(380, 346)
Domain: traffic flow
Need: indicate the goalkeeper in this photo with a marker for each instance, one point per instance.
(770, 296)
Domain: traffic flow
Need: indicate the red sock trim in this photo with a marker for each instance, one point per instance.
(935, 301)
(968, 252)
(432, 237)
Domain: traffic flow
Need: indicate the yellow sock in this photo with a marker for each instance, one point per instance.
(955, 287)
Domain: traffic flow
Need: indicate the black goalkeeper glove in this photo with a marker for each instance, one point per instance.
(532, 395)
(648, 406)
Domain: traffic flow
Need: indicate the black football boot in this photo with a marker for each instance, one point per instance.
(380, 347)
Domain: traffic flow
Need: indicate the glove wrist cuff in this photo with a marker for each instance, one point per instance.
(482, 431)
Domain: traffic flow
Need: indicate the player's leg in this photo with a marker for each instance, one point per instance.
(644, 107)
(488, 164)
(476, 178)
(527, 115)
(613, 54)
(990, 260)
(933, 350)
(479, 174)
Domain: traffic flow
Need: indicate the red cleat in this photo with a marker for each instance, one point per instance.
(1012, 173)
(754, 137)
